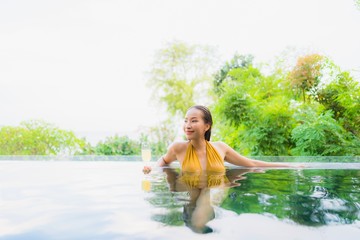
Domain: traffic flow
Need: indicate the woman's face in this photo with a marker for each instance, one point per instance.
(194, 125)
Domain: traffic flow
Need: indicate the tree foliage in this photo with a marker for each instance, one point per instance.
(181, 76)
(342, 97)
(260, 114)
(238, 61)
(307, 73)
(320, 134)
(115, 145)
(161, 136)
(357, 4)
(37, 137)
(253, 114)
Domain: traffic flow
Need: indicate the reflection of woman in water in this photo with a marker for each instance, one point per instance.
(198, 211)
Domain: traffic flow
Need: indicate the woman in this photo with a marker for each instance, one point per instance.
(198, 153)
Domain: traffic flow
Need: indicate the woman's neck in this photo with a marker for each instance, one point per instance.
(198, 144)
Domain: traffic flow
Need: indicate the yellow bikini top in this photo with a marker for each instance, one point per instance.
(191, 161)
(194, 176)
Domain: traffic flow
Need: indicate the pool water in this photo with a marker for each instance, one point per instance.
(115, 200)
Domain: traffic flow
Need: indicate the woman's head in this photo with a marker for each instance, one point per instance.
(195, 114)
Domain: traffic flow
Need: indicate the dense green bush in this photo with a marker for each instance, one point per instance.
(261, 114)
(320, 135)
(37, 137)
(116, 145)
(342, 96)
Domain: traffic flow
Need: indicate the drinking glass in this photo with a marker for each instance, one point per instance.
(145, 152)
(146, 157)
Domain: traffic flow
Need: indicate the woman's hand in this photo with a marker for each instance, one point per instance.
(146, 169)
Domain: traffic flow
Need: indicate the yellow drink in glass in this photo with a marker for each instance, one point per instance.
(146, 154)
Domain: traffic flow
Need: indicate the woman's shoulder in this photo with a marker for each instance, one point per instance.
(219, 144)
(178, 145)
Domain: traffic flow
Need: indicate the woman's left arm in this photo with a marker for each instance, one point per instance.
(235, 158)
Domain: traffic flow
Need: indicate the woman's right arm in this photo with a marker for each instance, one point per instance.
(164, 160)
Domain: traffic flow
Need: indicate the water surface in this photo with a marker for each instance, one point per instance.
(114, 200)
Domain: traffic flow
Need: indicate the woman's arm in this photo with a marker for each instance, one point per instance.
(235, 158)
(164, 160)
(159, 163)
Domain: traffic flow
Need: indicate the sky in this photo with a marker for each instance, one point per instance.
(82, 64)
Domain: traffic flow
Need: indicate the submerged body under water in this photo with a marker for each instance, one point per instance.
(114, 200)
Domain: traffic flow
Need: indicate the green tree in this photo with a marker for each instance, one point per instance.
(238, 61)
(37, 137)
(321, 134)
(357, 4)
(254, 112)
(162, 136)
(181, 76)
(115, 145)
(306, 75)
(342, 97)
(259, 114)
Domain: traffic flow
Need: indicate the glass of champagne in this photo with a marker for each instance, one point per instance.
(145, 152)
(146, 157)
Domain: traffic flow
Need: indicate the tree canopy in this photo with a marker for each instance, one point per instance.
(260, 114)
(37, 137)
(181, 76)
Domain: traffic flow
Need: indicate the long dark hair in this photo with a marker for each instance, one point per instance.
(207, 119)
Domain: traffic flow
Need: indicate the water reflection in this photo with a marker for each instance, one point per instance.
(309, 197)
(104, 200)
(192, 193)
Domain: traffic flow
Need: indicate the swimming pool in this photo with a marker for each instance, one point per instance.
(113, 200)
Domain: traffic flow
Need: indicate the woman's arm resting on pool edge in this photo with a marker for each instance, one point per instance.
(159, 163)
(162, 161)
(235, 158)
